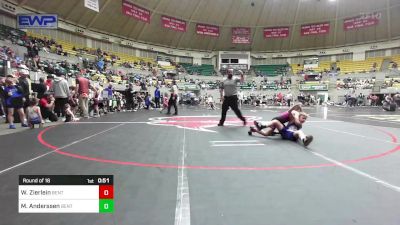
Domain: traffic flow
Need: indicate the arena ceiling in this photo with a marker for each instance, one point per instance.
(255, 14)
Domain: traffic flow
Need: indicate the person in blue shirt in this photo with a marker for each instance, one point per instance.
(109, 98)
(14, 100)
(100, 65)
(147, 101)
(157, 96)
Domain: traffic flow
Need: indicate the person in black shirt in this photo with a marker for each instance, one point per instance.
(24, 83)
(41, 88)
(129, 97)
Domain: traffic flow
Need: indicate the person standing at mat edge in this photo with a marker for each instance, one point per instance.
(173, 98)
(228, 90)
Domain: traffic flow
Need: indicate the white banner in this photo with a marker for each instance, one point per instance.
(92, 4)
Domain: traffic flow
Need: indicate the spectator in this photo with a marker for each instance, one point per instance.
(388, 104)
(73, 99)
(25, 83)
(157, 96)
(60, 90)
(289, 98)
(148, 101)
(173, 98)
(83, 86)
(3, 95)
(33, 113)
(69, 114)
(96, 101)
(129, 97)
(143, 85)
(41, 88)
(100, 65)
(108, 94)
(49, 81)
(396, 99)
(14, 100)
(47, 103)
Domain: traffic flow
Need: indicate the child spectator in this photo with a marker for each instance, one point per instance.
(165, 103)
(148, 101)
(69, 115)
(34, 114)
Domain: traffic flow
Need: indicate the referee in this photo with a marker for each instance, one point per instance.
(229, 96)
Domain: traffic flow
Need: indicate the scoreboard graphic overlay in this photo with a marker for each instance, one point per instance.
(66, 194)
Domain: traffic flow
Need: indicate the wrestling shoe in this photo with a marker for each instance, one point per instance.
(308, 140)
(252, 129)
(258, 125)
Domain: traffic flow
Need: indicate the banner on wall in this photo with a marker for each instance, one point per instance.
(313, 87)
(276, 32)
(34, 21)
(134, 11)
(315, 29)
(173, 23)
(209, 30)
(241, 35)
(92, 4)
(367, 20)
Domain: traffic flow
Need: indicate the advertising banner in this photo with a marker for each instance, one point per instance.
(371, 19)
(44, 21)
(132, 10)
(313, 87)
(276, 32)
(241, 35)
(315, 29)
(173, 23)
(209, 30)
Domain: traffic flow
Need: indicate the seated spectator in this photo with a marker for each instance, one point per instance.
(149, 104)
(388, 104)
(69, 114)
(73, 99)
(46, 104)
(34, 114)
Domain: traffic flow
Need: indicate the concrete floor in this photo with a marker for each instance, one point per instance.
(186, 170)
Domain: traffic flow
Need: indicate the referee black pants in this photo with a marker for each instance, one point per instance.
(172, 102)
(230, 101)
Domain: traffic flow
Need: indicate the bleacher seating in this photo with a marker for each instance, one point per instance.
(7, 32)
(296, 68)
(205, 69)
(324, 66)
(269, 70)
(396, 59)
(68, 47)
(171, 67)
(348, 66)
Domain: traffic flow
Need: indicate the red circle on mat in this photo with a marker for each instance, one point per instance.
(172, 166)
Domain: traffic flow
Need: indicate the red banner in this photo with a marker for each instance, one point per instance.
(276, 32)
(173, 23)
(313, 29)
(241, 35)
(135, 11)
(367, 20)
(209, 30)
